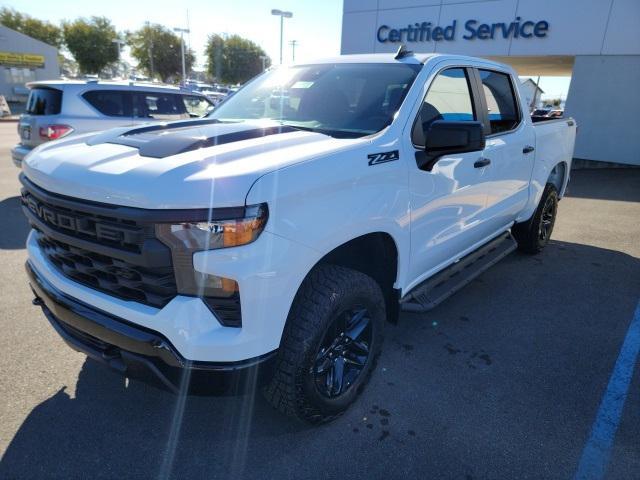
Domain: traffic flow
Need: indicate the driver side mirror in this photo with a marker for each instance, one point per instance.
(450, 138)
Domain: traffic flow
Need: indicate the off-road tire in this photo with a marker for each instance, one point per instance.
(534, 234)
(325, 293)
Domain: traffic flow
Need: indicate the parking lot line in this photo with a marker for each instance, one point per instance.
(596, 453)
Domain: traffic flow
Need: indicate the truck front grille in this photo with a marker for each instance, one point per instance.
(151, 286)
(114, 249)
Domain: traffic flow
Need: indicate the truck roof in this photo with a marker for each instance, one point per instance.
(411, 59)
(376, 58)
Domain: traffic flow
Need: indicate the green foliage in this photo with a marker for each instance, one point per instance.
(90, 41)
(44, 31)
(157, 50)
(233, 60)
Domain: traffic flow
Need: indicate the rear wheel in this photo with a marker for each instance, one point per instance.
(330, 344)
(534, 234)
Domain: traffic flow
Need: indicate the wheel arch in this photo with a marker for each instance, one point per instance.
(558, 177)
(375, 254)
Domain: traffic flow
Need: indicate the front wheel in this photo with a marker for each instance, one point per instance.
(330, 344)
(534, 234)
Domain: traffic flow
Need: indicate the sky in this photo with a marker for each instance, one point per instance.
(316, 24)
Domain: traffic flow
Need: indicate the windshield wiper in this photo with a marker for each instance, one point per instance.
(328, 132)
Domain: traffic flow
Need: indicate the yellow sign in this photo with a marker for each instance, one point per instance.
(21, 59)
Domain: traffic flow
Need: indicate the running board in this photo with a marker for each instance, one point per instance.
(445, 283)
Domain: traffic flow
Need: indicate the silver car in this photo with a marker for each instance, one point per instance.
(59, 108)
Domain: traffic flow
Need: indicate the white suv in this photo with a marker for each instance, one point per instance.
(58, 108)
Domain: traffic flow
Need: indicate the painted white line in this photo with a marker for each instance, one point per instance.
(596, 453)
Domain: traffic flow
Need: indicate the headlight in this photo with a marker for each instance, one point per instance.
(220, 231)
(215, 233)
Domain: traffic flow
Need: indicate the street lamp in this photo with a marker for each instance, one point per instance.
(282, 16)
(184, 67)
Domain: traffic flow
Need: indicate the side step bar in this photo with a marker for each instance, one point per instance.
(442, 285)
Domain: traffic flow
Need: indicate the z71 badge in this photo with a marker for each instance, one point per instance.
(383, 157)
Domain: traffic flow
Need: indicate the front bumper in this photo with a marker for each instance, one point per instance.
(18, 153)
(121, 345)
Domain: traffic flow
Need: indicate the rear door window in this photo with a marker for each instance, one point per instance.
(112, 103)
(502, 106)
(159, 106)
(196, 106)
(44, 101)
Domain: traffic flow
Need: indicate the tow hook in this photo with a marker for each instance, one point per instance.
(36, 301)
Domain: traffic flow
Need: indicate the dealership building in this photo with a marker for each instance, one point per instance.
(24, 59)
(596, 42)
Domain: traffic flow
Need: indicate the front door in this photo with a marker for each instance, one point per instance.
(448, 202)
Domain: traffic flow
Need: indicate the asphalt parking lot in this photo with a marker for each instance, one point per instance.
(503, 380)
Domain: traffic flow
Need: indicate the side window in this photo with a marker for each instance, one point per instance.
(112, 103)
(160, 106)
(501, 101)
(196, 106)
(449, 99)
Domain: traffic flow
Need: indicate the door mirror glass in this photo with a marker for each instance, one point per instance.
(450, 138)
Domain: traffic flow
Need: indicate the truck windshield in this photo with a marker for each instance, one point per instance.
(341, 100)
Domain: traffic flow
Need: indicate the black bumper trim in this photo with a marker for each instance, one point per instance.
(116, 342)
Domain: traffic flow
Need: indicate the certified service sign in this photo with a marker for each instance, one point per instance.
(471, 30)
(21, 59)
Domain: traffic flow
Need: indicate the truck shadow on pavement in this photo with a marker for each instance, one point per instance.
(117, 428)
(113, 428)
(15, 227)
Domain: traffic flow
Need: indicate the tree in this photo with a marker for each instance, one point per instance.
(44, 31)
(234, 59)
(158, 52)
(91, 43)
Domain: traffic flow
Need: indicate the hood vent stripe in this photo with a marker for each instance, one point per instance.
(162, 146)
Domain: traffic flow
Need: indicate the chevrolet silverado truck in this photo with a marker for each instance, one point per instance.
(283, 232)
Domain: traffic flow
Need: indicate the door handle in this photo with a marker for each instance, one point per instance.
(483, 162)
(528, 149)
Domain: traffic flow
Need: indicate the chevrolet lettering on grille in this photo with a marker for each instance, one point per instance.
(80, 225)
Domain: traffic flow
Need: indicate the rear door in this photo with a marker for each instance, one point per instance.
(448, 202)
(113, 108)
(43, 105)
(509, 146)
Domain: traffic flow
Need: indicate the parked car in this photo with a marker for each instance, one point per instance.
(281, 236)
(540, 112)
(59, 108)
(539, 115)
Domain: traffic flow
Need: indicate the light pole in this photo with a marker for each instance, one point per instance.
(150, 50)
(282, 16)
(293, 44)
(184, 67)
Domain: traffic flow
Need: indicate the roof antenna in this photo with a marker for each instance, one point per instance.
(402, 52)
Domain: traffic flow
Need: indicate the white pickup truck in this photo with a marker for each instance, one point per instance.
(282, 232)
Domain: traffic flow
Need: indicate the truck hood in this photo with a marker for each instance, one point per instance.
(197, 164)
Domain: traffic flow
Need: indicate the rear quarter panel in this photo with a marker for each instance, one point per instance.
(555, 140)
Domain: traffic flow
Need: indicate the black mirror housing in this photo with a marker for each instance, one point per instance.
(449, 138)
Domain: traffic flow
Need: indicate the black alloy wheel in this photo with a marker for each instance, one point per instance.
(343, 352)
(548, 219)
